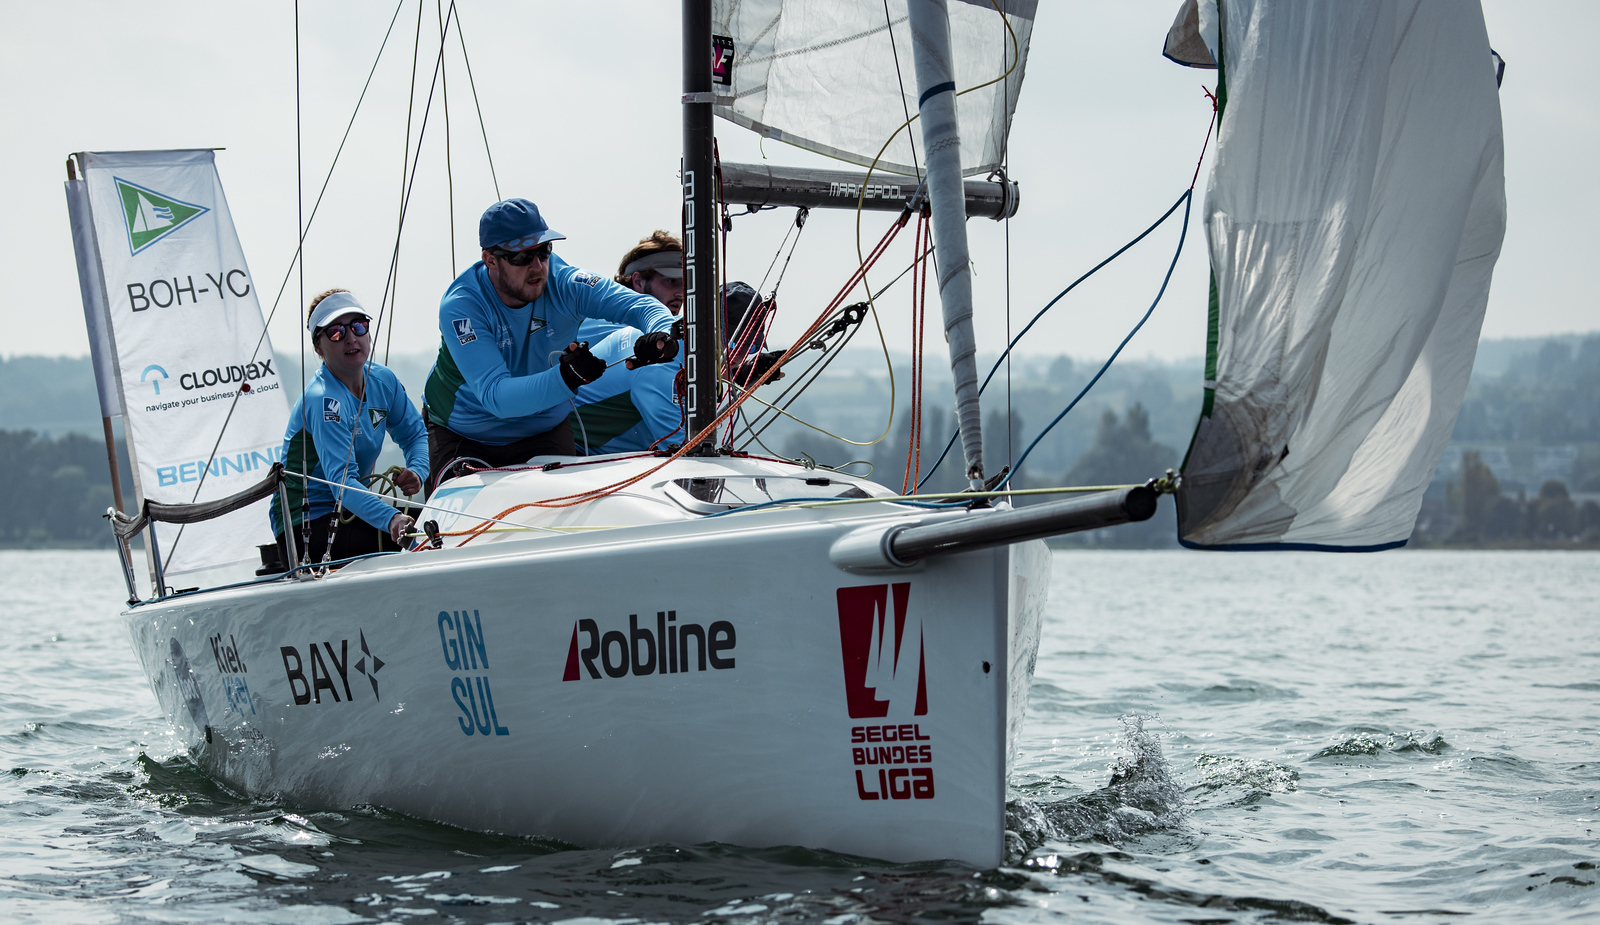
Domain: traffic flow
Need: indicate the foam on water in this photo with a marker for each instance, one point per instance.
(1406, 737)
(1141, 798)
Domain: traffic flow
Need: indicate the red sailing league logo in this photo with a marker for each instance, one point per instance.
(884, 668)
(877, 655)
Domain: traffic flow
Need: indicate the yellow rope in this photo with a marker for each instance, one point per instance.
(952, 495)
(801, 421)
(861, 200)
(386, 479)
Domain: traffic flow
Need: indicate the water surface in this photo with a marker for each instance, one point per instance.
(1403, 737)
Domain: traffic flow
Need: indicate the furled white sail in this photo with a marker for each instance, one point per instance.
(1354, 217)
(825, 76)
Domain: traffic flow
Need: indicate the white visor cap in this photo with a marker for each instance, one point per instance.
(667, 263)
(331, 307)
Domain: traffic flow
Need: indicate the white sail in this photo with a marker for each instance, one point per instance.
(1354, 217)
(180, 337)
(825, 77)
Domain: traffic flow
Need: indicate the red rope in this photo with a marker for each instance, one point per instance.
(919, 300)
(800, 342)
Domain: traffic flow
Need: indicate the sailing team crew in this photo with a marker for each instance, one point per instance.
(639, 406)
(335, 434)
(509, 360)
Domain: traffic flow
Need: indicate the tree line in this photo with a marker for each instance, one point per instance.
(1130, 428)
(55, 491)
(1474, 511)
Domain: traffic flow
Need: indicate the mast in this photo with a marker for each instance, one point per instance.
(936, 101)
(101, 351)
(700, 290)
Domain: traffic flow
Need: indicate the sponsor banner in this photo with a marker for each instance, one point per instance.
(204, 407)
(330, 671)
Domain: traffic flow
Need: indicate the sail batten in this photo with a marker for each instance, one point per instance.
(1354, 216)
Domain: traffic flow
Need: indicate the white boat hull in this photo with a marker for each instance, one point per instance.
(524, 687)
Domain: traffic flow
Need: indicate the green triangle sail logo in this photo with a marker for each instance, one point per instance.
(150, 216)
(377, 415)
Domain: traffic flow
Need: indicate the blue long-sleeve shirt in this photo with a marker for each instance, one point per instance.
(631, 411)
(318, 443)
(496, 379)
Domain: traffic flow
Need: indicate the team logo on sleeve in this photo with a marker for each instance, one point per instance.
(464, 332)
(330, 410)
(376, 415)
(585, 278)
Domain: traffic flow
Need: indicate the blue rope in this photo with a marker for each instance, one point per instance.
(1148, 312)
(937, 505)
(1059, 296)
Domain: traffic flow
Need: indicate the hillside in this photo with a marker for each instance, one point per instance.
(1531, 416)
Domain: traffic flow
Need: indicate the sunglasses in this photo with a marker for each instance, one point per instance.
(335, 332)
(523, 258)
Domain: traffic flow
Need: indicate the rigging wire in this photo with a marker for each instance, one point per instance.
(392, 281)
(386, 302)
(806, 377)
(796, 229)
(1010, 415)
(918, 295)
(1051, 304)
(449, 169)
(1004, 172)
(300, 228)
(861, 197)
(1188, 198)
(288, 273)
(716, 423)
(1183, 200)
(304, 222)
(461, 37)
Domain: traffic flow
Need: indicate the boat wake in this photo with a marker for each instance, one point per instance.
(1370, 742)
(1141, 798)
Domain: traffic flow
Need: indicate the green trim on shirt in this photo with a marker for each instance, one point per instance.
(444, 380)
(604, 420)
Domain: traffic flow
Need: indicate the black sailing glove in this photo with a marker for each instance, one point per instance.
(579, 366)
(653, 348)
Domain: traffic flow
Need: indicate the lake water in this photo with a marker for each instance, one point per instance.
(1403, 737)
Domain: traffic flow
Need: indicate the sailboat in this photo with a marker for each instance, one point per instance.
(150, 217)
(699, 644)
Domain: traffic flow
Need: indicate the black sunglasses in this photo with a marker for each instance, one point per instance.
(523, 258)
(335, 332)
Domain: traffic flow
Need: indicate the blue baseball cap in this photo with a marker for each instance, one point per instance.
(514, 225)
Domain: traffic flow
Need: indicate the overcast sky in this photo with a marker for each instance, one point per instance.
(580, 103)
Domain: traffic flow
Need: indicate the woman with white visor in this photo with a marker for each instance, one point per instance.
(335, 434)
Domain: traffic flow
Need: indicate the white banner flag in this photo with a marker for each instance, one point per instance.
(204, 408)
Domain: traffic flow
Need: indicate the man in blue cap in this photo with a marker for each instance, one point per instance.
(509, 364)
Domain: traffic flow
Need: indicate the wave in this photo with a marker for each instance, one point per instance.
(1399, 743)
(1141, 798)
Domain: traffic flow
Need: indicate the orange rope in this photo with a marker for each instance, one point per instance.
(919, 300)
(710, 429)
(922, 329)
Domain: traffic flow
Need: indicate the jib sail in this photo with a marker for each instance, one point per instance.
(1354, 216)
